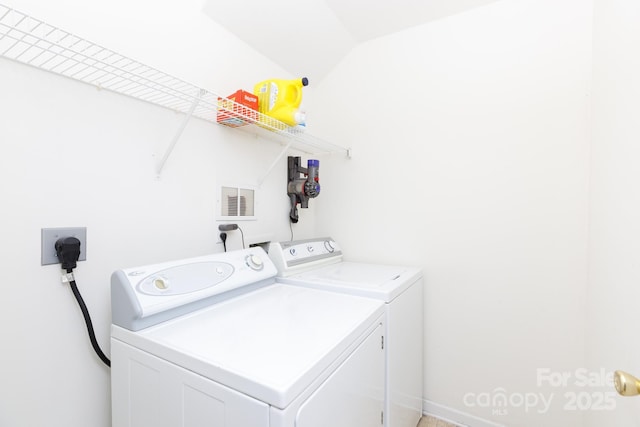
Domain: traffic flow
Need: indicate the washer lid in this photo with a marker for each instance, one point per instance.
(383, 282)
(270, 344)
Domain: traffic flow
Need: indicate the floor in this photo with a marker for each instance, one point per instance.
(428, 421)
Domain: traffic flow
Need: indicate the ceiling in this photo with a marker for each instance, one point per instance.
(309, 37)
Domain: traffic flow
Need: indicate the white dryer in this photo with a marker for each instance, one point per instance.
(215, 341)
(319, 264)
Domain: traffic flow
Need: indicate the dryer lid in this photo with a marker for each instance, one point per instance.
(270, 344)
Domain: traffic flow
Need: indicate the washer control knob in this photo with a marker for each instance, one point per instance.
(292, 251)
(254, 262)
(161, 283)
(329, 245)
(310, 248)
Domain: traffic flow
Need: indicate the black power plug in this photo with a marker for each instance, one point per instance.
(223, 237)
(68, 252)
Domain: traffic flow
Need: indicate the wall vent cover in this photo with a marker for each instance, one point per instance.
(237, 203)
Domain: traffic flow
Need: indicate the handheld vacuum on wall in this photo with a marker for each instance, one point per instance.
(301, 188)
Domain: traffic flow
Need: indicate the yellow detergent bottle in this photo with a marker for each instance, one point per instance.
(280, 99)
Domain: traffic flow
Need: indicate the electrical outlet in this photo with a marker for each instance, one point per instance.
(51, 235)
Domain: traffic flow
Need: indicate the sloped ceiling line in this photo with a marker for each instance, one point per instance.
(309, 37)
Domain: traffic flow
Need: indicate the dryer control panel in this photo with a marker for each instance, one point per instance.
(301, 255)
(147, 295)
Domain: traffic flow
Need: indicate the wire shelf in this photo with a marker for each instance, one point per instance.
(34, 42)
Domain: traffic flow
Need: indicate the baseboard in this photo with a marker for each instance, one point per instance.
(453, 416)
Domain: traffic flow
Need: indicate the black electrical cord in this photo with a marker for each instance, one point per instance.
(87, 319)
(68, 252)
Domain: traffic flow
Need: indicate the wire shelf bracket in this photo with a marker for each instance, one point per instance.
(176, 137)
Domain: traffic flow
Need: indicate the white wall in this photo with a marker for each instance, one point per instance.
(77, 156)
(471, 159)
(471, 153)
(615, 202)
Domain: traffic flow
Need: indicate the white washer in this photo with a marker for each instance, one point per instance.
(318, 263)
(215, 341)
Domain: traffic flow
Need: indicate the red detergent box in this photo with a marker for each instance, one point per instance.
(238, 109)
